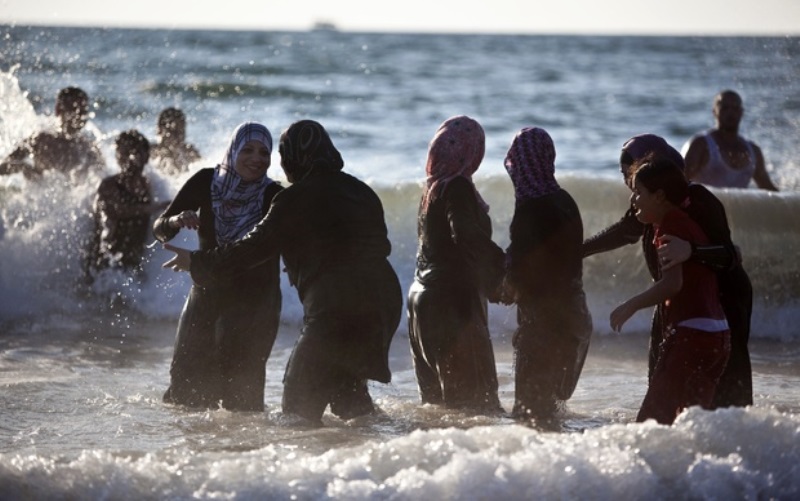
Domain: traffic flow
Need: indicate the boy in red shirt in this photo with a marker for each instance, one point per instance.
(696, 345)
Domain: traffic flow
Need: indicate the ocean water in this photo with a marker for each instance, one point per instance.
(81, 375)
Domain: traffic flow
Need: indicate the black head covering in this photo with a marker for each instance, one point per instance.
(306, 146)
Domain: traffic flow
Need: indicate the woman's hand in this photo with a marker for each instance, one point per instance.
(620, 315)
(181, 261)
(186, 219)
(673, 251)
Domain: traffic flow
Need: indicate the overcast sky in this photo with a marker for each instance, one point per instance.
(696, 17)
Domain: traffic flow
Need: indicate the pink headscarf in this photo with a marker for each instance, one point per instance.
(456, 150)
(531, 164)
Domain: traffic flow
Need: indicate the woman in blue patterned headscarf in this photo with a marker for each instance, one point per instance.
(227, 329)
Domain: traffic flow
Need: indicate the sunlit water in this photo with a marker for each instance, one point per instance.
(82, 374)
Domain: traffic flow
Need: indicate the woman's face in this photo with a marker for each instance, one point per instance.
(648, 204)
(253, 161)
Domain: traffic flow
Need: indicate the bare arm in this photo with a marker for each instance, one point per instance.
(669, 285)
(17, 161)
(696, 157)
(760, 176)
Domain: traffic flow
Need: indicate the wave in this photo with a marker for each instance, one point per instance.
(45, 224)
(705, 455)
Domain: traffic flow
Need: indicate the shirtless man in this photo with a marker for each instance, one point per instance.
(721, 157)
(172, 154)
(122, 210)
(67, 150)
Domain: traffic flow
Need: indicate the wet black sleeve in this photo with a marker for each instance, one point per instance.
(707, 211)
(215, 266)
(626, 231)
(485, 259)
(189, 197)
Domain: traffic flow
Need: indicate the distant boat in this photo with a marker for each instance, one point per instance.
(324, 26)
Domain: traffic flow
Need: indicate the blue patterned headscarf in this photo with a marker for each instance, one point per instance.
(238, 205)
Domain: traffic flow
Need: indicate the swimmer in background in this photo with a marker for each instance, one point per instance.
(123, 207)
(172, 155)
(69, 150)
(720, 157)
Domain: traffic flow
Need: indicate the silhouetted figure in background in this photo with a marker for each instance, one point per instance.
(68, 150)
(172, 155)
(720, 157)
(122, 210)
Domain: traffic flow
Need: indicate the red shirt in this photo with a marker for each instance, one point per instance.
(699, 296)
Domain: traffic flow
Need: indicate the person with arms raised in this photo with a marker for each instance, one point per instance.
(68, 150)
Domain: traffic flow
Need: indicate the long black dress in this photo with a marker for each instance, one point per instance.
(329, 228)
(555, 327)
(458, 267)
(736, 292)
(227, 329)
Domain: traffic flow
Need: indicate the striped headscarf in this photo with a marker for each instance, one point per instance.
(456, 149)
(238, 205)
(531, 164)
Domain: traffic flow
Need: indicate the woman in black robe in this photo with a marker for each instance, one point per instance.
(545, 279)
(227, 329)
(458, 268)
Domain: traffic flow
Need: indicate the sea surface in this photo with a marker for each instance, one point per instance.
(82, 373)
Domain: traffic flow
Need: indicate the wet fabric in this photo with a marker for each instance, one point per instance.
(545, 272)
(236, 203)
(330, 231)
(458, 267)
(690, 363)
(227, 329)
(699, 295)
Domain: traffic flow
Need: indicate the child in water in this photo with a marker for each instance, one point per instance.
(696, 342)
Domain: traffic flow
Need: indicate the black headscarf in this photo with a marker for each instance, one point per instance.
(306, 146)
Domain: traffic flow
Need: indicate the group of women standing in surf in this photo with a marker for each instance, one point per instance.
(329, 229)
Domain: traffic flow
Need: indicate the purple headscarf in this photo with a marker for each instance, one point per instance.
(531, 164)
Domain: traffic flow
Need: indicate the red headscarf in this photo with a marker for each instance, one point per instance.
(456, 150)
